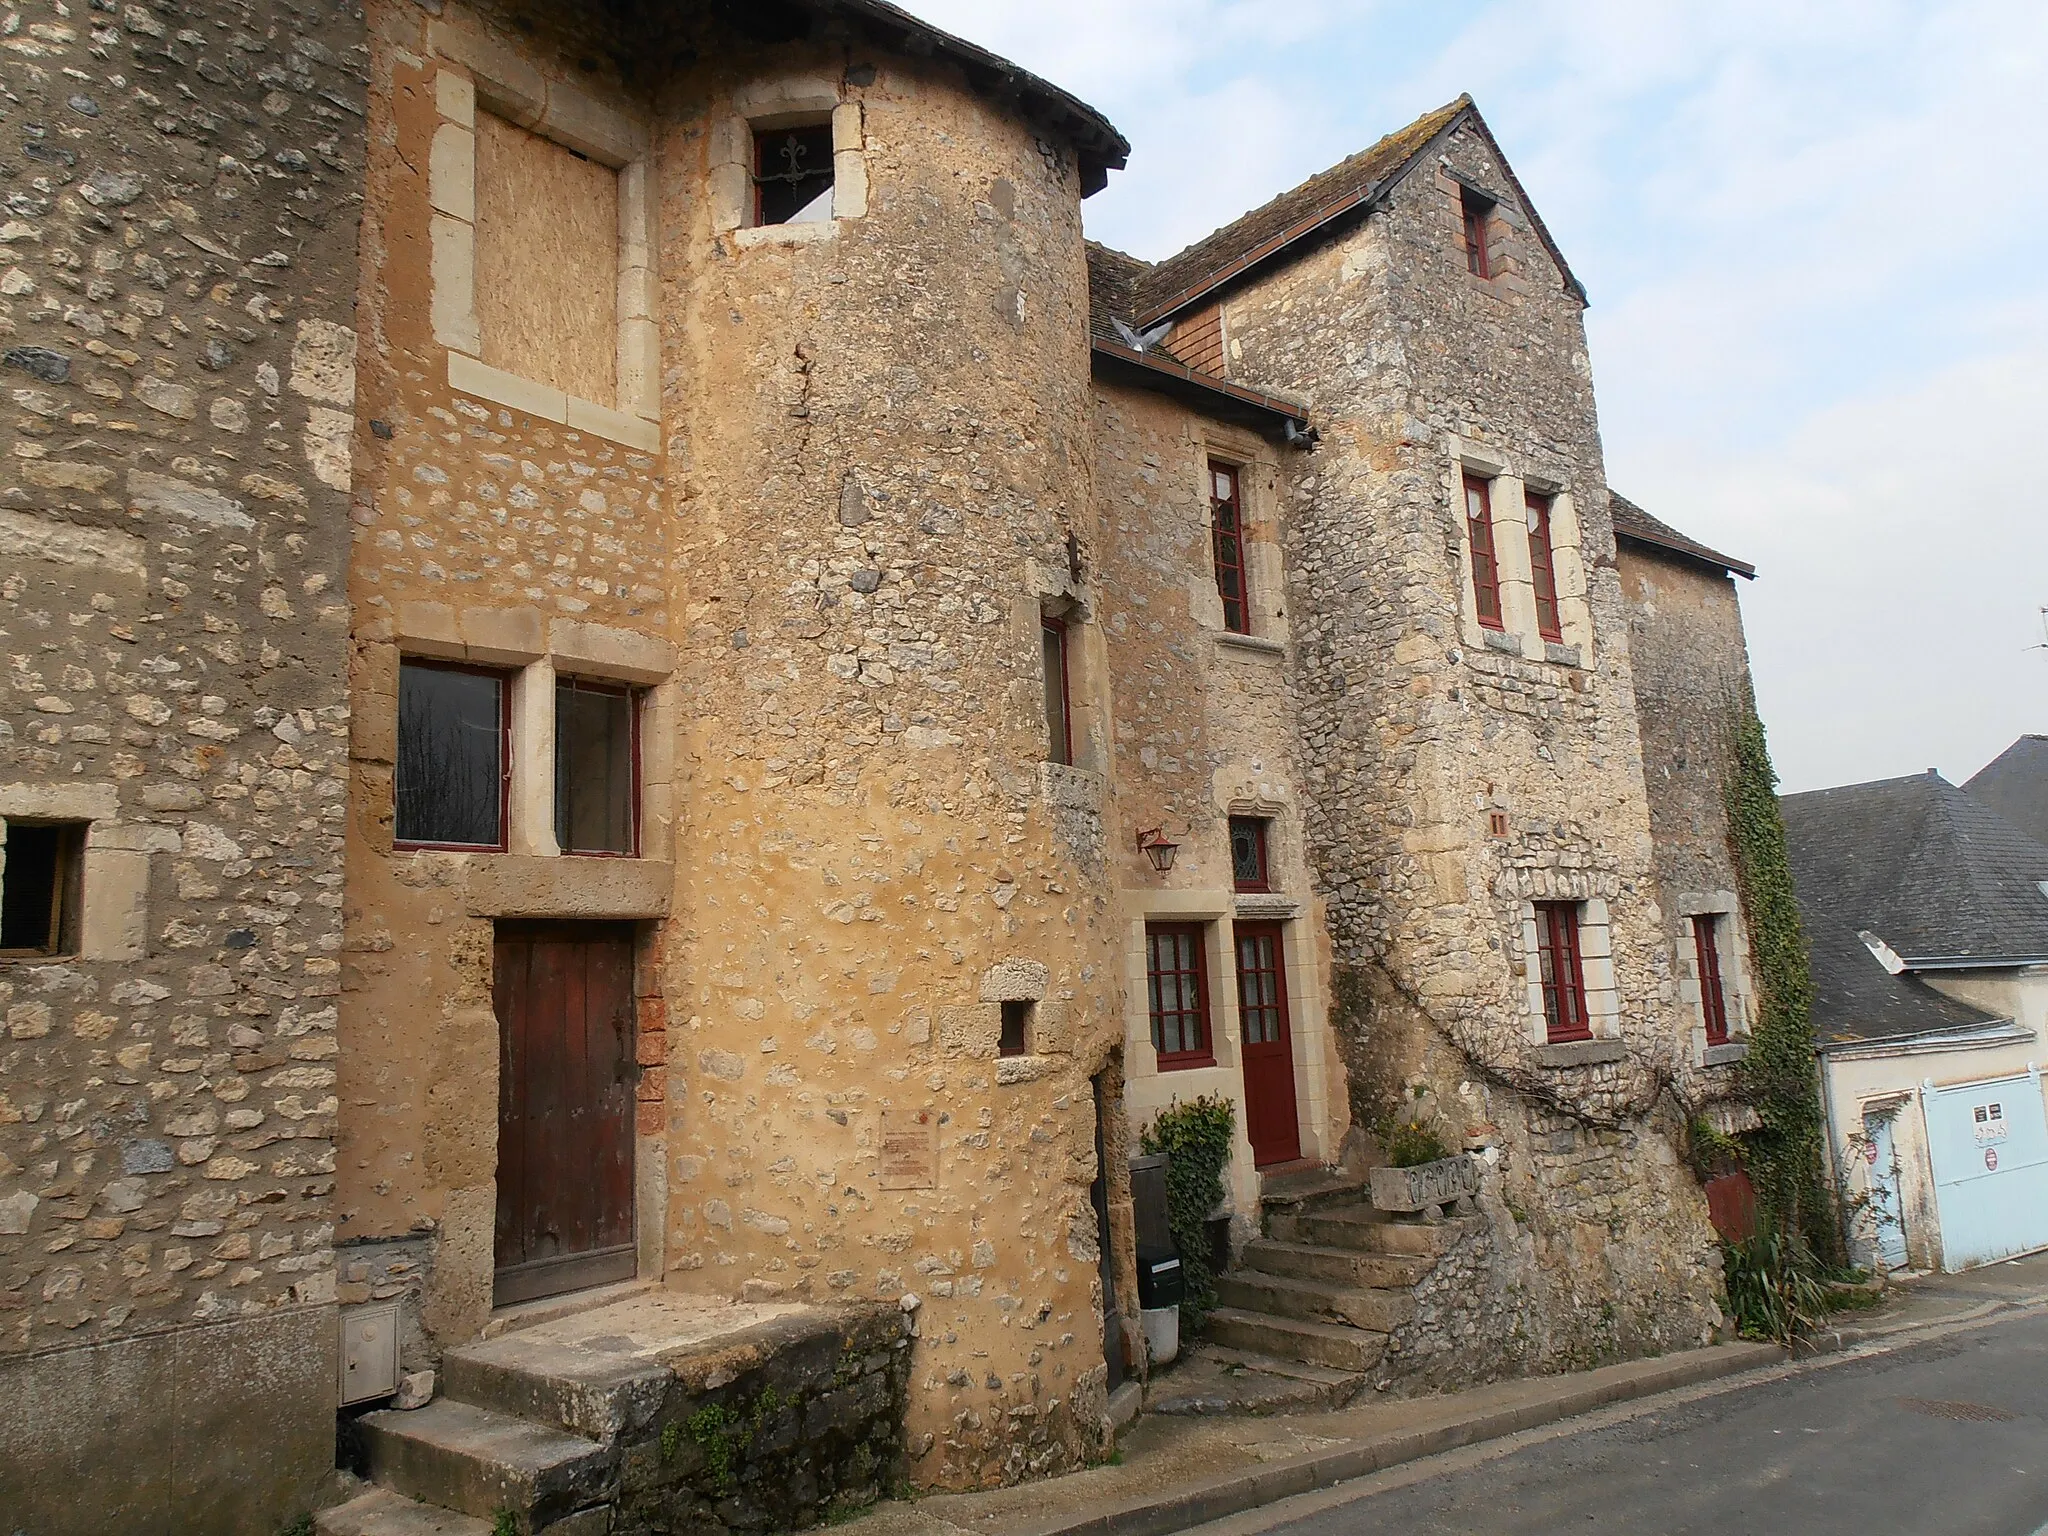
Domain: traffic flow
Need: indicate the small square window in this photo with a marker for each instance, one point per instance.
(793, 174)
(597, 768)
(1016, 1036)
(454, 757)
(1249, 870)
(42, 888)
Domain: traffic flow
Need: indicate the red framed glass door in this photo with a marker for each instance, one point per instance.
(1271, 1122)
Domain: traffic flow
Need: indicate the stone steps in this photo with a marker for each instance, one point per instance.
(1336, 1266)
(1367, 1231)
(1210, 1379)
(1333, 1345)
(480, 1462)
(380, 1512)
(1315, 1301)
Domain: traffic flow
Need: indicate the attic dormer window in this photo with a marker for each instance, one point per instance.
(793, 174)
(1477, 208)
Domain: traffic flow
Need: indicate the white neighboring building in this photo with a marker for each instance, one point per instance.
(1928, 919)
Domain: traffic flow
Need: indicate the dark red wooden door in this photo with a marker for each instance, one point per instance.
(563, 993)
(1269, 1112)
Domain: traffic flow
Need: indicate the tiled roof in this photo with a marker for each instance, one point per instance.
(1632, 522)
(1932, 872)
(2015, 785)
(1346, 187)
(1112, 283)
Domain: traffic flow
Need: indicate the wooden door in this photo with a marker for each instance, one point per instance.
(563, 993)
(1268, 1053)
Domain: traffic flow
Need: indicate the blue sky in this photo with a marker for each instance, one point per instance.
(1815, 240)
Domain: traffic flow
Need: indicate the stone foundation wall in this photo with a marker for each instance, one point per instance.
(773, 1438)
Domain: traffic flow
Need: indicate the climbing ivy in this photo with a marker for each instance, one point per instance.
(1195, 1136)
(1784, 1154)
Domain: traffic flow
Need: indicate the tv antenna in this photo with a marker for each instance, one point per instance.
(2043, 646)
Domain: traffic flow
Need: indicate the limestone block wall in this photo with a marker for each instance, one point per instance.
(500, 521)
(1204, 729)
(1692, 683)
(886, 483)
(176, 344)
(1421, 730)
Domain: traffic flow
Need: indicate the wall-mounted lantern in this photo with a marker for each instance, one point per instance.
(1154, 845)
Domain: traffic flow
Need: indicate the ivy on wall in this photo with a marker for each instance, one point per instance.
(1195, 1136)
(1784, 1154)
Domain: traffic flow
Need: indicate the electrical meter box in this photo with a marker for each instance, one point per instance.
(369, 1353)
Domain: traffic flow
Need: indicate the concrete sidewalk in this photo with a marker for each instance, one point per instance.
(1179, 1472)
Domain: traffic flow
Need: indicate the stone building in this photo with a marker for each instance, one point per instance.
(638, 679)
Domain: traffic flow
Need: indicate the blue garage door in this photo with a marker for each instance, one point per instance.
(1989, 1143)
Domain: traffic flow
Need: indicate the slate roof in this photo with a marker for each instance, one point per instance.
(1856, 998)
(1633, 523)
(1346, 188)
(2015, 785)
(1931, 871)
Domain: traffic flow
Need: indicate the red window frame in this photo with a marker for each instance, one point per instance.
(1561, 970)
(1543, 568)
(1052, 635)
(1713, 998)
(1187, 958)
(504, 841)
(1257, 827)
(632, 697)
(1475, 210)
(1485, 565)
(1226, 540)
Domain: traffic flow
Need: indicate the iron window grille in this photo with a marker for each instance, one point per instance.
(793, 175)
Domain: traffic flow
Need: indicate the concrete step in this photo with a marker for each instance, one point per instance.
(380, 1512)
(530, 1376)
(1288, 1338)
(479, 1462)
(1209, 1380)
(1315, 1301)
(1371, 1232)
(1310, 1189)
(1335, 1266)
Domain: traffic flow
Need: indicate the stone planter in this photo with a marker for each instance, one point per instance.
(1427, 1188)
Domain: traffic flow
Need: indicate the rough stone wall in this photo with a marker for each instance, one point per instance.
(1417, 729)
(886, 475)
(176, 285)
(1692, 683)
(491, 534)
(1204, 727)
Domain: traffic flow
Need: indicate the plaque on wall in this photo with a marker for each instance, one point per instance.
(910, 1150)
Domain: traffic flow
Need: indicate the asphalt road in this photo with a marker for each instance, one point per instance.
(1949, 1437)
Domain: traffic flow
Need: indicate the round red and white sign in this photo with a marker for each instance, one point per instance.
(1991, 1158)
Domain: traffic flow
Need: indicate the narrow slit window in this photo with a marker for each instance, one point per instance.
(1059, 713)
(1543, 568)
(1485, 567)
(1477, 210)
(1178, 993)
(1706, 938)
(1226, 522)
(1016, 1036)
(1562, 972)
(597, 769)
(793, 174)
(454, 757)
(1249, 870)
(42, 887)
